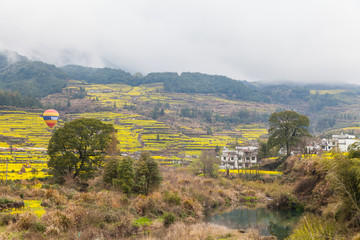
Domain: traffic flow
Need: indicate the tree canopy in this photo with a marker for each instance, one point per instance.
(31, 78)
(206, 164)
(139, 177)
(78, 148)
(147, 174)
(286, 128)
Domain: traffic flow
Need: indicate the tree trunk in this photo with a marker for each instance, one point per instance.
(288, 152)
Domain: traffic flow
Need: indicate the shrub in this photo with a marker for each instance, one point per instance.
(39, 227)
(172, 198)
(59, 220)
(169, 218)
(5, 201)
(25, 221)
(55, 197)
(110, 217)
(111, 170)
(148, 205)
(143, 221)
(5, 219)
(344, 173)
(125, 228)
(313, 227)
(306, 185)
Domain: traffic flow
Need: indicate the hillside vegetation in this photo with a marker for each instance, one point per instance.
(35, 79)
(327, 106)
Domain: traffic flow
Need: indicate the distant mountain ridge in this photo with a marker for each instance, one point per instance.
(9, 57)
(38, 79)
(185, 82)
(29, 78)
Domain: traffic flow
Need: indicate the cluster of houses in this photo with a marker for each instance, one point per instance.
(246, 157)
(340, 142)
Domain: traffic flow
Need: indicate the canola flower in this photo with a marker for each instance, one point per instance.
(247, 171)
(133, 132)
(30, 205)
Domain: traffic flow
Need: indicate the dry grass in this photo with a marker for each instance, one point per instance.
(24, 222)
(110, 214)
(200, 231)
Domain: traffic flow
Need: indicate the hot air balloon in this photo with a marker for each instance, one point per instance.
(51, 117)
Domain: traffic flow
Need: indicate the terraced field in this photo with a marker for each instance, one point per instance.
(134, 133)
(124, 94)
(29, 135)
(323, 92)
(168, 143)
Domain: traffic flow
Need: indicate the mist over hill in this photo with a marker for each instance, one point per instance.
(29, 78)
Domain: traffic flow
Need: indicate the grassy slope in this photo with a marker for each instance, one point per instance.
(113, 215)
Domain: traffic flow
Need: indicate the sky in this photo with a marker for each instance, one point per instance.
(259, 40)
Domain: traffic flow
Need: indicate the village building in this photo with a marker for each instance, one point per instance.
(241, 157)
(340, 142)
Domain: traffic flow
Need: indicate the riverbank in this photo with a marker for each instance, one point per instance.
(326, 187)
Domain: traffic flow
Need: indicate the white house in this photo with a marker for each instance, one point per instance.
(341, 141)
(241, 157)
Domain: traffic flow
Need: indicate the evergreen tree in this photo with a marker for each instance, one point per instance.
(126, 175)
(111, 170)
(147, 175)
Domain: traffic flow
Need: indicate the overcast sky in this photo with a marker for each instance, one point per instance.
(296, 40)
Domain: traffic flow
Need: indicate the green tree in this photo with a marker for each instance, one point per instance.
(147, 174)
(217, 149)
(287, 128)
(207, 164)
(111, 170)
(263, 149)
(126, 175)
(78, 148)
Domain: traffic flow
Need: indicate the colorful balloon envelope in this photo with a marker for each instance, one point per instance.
(51, 117)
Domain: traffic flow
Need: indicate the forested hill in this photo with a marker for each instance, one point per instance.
(185, 83)
(29, 78)
(98, 75)
(34, 79)
(38, 79)
(288, 94)
(224, 86)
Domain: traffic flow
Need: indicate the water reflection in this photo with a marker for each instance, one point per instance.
(268, 222)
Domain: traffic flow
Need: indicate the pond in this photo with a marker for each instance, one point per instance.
(267, 222)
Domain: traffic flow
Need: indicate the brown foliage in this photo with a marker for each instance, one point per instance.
(306, 185)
